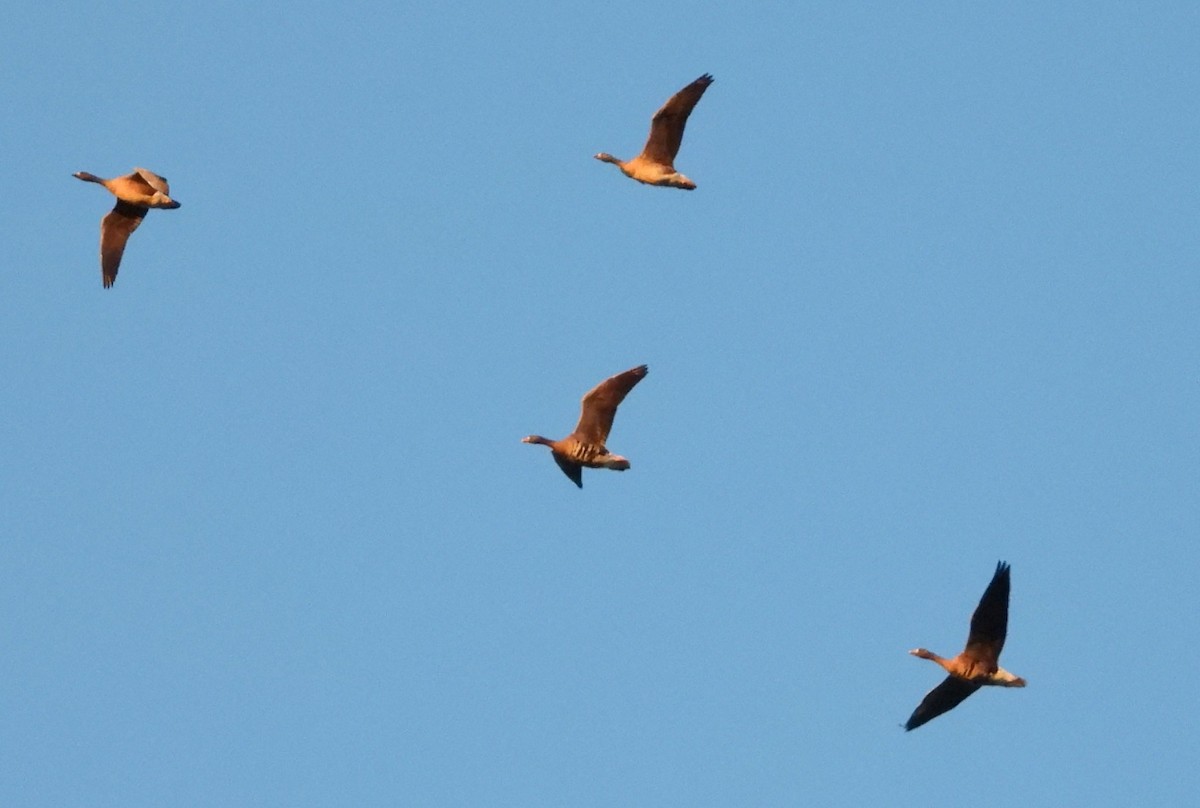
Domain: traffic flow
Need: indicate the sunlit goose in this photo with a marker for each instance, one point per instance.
(656, 164)
(136, 193)
(979, 664)
(585, 446)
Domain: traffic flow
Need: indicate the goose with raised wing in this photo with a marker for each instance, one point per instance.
(656, 164)
(136, 193)
(979, 664)
(585, 446)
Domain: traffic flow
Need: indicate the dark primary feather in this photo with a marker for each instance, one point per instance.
(989, 623)
(115, 229)
(667, 125)
(946, 696)
(599, 405)
(572, 470)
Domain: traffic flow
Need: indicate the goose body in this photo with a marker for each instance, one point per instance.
(136, 193)
(585, 446)
(979, 663)
(656, 164)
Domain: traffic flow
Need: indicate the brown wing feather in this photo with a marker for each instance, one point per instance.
(153, 180)
(989, 623)
(943, 698)
(666, 127)
(599, 405)
(115, 229)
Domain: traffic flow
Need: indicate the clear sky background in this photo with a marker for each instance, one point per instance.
(269, 537)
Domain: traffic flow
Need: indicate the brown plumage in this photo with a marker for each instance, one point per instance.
(585, 446)
(136, 193)
(656, 164)
(979, 663)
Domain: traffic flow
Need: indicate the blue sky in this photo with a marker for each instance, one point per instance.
(269, 537)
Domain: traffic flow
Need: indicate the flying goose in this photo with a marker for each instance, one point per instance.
(585, 446)
(978, 664)
(656, 164)
(136, 193)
